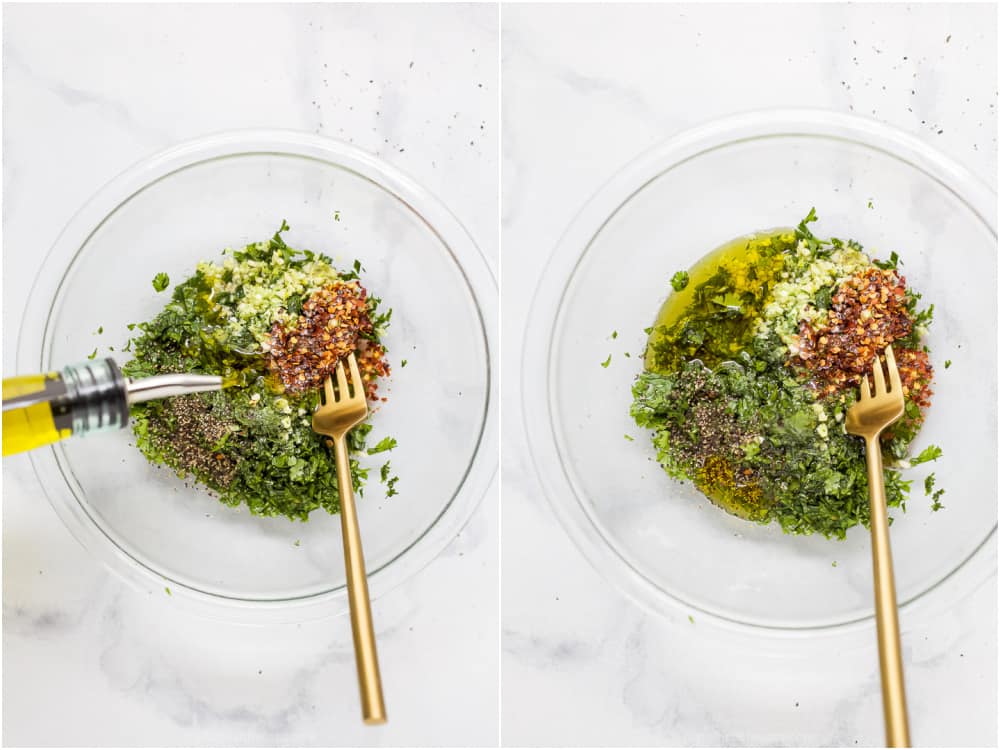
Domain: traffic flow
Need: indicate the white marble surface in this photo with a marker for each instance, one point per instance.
(90, 89)
(586, 89)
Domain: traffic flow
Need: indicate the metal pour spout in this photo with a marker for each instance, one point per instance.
(161, 386)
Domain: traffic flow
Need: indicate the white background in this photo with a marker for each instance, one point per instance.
(90, 89)
(586, 89)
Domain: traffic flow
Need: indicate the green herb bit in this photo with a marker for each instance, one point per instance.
(679, 280)
(691, 619)
(614, 334)
(870, 204)
(888, 265)
(930, 453)
(947, 364)
(298, 543)
(629, 437)
(402, 363)
(385, 444)
(336, 215)
(802, 231)
(99, 331)
(936, 498)
(167, 589)
(606, 362)
(929, 483)
(161, 281)
(92, 354)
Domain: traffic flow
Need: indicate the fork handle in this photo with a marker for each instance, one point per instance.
(365, 654)
(897, 730)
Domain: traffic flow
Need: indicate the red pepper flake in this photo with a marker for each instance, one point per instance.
(334, 322)
(867, 314)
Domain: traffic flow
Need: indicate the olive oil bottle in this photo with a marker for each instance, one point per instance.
(82, 399)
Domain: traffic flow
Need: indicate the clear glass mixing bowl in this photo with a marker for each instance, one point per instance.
(661, 541)
(187, 204)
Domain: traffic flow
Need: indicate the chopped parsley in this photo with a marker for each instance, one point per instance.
(606, 362)
(679, 281)
(385, 444)
(161, 281)
(888, 265)
(947, 364)
(92, 354)
(930, 453)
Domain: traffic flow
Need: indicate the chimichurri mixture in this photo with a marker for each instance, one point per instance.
(752, 364)
(274, 322)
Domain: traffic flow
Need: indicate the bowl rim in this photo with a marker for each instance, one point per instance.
(590, 219)
(472, 263)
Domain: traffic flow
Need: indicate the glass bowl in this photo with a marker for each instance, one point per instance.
(187, 204)
(661, 541)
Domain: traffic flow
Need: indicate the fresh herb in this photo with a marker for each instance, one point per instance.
(92, 354)
(606, 362)
(385, 444)
(888, 265)
(614, 335)
(802, 230)
(679, 281)
(336, 215)
(936, 500)
(929, 481)
(947, 364)
(402, 363)
(161, 281)
(629, 437)
(930, 453)
(167, 589)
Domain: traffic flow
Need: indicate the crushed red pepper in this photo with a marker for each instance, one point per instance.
(333, 323)
(868, 313)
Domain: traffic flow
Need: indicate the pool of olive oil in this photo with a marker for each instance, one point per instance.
(711, 320)
(716, 314)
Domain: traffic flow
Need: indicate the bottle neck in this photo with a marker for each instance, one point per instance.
(95, 398)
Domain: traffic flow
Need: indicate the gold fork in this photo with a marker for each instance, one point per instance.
(868, 418)
(338, 413)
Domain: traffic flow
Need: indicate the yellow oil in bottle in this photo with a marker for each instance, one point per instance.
(80, 399)
(38, 421)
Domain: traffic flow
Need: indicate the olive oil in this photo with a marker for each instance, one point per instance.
(716, 314)
(712, 319)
